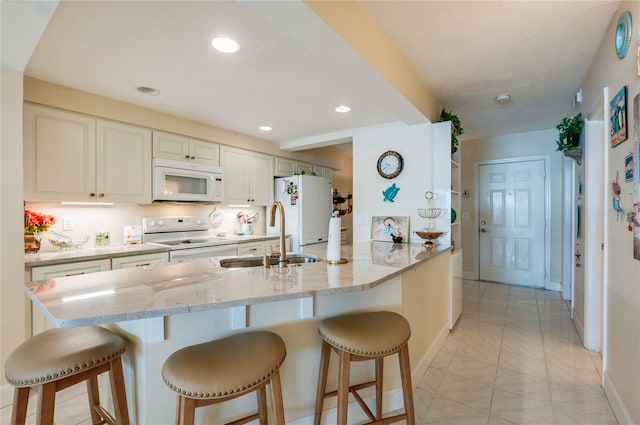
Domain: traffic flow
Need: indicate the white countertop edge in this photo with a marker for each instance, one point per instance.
(393, 271)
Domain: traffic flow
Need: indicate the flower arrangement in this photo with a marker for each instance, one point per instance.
(37, 222)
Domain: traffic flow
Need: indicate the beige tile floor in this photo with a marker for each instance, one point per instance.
(514, 357)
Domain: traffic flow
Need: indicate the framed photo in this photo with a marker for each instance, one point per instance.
(628, 167)
(618, 117)
(390, 228)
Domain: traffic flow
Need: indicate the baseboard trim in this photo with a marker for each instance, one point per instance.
(391, 400)
(6, 396)
(577, 323)
(470, 275)
(619, 409)
(554, 286)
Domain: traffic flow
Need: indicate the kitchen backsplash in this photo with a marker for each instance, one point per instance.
(89, 220)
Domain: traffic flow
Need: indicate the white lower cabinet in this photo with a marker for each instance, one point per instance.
(270, 246)
(39, 322)
(142, 260)
(251, 248)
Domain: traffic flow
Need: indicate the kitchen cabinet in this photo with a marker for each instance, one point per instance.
(39, 322)
(182, 148)
(141, 260)
(323, 171)
(301, 166)
(251, 248)
(74, 157)
(248, 176)
(284, 167)
(270, 246)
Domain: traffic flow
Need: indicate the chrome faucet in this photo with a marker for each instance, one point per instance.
(283, 243)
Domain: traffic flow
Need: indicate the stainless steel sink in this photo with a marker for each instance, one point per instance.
(237, 262)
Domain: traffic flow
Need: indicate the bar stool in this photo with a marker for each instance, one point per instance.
(221, 370)
(359, 337)
(58, 358)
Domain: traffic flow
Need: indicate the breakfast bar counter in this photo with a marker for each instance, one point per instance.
(163, 308)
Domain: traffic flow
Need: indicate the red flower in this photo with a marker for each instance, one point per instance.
(35, 221)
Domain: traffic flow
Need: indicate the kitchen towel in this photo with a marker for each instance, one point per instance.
(333, 246)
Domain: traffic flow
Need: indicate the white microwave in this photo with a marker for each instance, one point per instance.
(180, 181)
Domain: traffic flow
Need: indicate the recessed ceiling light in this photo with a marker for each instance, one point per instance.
(265, 128)
(148, 91)
(225, 45)
(503, 98)
(342, 109)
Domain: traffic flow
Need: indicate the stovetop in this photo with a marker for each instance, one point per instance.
(180, 232)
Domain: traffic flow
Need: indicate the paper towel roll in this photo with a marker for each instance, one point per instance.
(333, 245)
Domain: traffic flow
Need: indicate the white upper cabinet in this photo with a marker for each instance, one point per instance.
(181, 148)
(123, 165)
(73, 157)
(248, 176)
(284, 167)
(323, 171)
(300, 166)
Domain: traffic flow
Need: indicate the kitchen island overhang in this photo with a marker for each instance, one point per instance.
(197, 300)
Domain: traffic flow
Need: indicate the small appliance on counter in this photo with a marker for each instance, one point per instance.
(186, 237)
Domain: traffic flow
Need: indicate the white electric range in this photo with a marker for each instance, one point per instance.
(186, 237)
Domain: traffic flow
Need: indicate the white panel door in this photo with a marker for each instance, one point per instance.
(512, 222)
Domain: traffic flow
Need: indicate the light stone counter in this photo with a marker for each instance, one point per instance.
(48, 258)
(166, 290)
(201, 301)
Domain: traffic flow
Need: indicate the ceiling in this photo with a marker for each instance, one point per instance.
(292, 70)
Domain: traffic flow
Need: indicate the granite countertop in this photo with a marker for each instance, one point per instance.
(47, 258)
(163, 290)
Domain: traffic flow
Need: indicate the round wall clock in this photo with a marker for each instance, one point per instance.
(390, 164)
(623, 34)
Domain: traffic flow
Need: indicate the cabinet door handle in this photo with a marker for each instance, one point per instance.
(253, 249)
(92, 195)
(74, 274)
(101, 195)
(143, 264)
(193, 157)
(186, 156)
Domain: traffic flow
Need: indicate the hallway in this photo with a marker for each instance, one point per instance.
(514, 357)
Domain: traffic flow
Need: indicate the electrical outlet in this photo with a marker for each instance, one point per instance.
(67, 223)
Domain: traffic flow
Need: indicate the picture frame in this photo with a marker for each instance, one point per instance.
(618, 117)
(390, 228)
(628, 167)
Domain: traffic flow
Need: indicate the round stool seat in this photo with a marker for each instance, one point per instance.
(370, 334)
(59, 353)
(225, 367)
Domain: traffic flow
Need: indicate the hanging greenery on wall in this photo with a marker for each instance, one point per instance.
(456, 128)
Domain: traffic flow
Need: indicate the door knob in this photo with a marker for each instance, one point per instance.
(482, 230)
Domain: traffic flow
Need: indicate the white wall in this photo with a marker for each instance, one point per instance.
(535, 143)
(414, 143)
(22, 25)
(622, 294)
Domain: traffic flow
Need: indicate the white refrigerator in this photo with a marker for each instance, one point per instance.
(308, 203)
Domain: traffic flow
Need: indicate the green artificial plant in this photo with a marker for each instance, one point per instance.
(456, 128)
(569, 131)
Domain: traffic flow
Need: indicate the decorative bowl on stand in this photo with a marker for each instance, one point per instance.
(429, 236)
